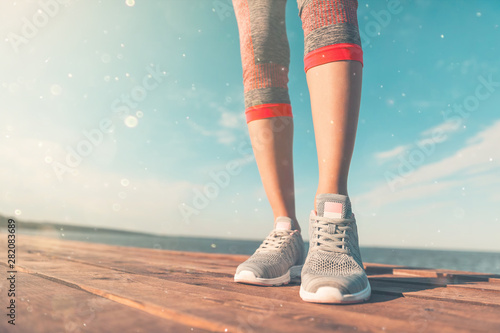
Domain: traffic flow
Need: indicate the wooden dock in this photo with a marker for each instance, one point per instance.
(71, 286)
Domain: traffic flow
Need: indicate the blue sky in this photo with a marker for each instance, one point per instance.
(119, 114)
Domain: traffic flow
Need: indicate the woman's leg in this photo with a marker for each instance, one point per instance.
(272, 145)
(265, 58)
(333, 271)
(333, 64)
(335, 91)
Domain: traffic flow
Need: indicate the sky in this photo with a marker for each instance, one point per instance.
(130, 115)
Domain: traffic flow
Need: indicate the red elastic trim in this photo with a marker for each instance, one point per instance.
(268, 111)
(335, 52)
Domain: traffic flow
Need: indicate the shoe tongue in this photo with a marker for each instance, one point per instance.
(333, 205)
(283, 223)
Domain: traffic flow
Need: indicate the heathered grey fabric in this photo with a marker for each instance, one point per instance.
(266, 96)
(268, 28)
(331, 34)
(264, 42)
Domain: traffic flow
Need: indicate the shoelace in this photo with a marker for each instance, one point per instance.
(330, 234)
(274, 240)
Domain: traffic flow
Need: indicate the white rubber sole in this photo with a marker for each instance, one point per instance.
(249, 277)
(333, 295)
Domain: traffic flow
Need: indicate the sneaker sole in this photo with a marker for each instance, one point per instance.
(333, 295)
(248, 277)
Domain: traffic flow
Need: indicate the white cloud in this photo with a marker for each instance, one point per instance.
(224, 124)
(444, 128)
(481, 154)
(431, 136)
(223, 136)
(231, 125)
(389, 154)
(229, 119)
(92, 197)
(436, 205)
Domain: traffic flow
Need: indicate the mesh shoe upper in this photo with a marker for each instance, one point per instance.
(334, 258)
(280, 250)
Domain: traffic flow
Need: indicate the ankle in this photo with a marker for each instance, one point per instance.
(337, 189)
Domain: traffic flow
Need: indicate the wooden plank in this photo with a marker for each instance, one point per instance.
(197, 264)
(172, 259)
(48, 243)
(206, 307)
(414, 313)
(448, 274)
(112, 279)
(438, 282)
(218, 282)
(162, 263)
(190, 260)
(392, 310)
(396, 313)
(57, 307)
(463, 295)
(482, 286)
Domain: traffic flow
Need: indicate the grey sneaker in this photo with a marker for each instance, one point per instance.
(333, 271)
(278, 260)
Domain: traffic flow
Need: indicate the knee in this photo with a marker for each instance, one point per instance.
(331, 31)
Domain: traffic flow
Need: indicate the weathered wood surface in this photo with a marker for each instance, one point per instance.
(71, 286)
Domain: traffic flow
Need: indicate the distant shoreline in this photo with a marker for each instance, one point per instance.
(57, 226)
(48, 227)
